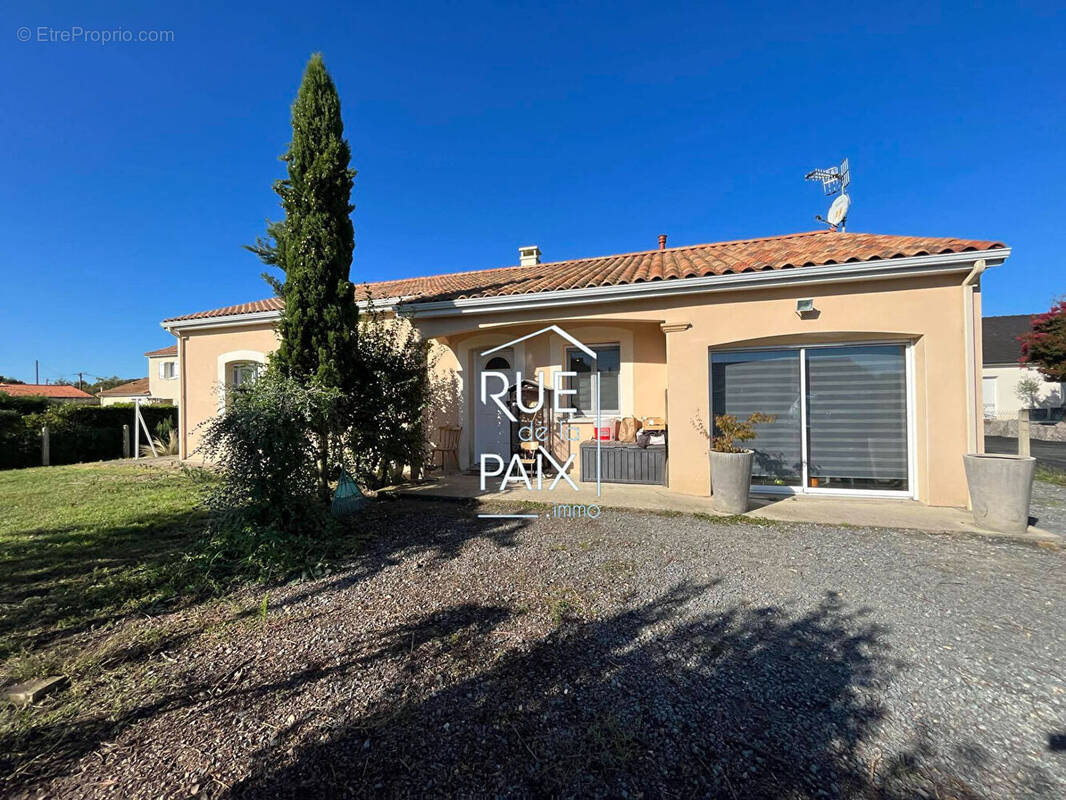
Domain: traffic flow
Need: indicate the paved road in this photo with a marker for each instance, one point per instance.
(1050, 454)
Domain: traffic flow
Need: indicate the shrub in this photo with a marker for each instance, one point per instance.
(1044, 347)
(730, 431)
(76, 433)
(24, 405)
(1027, 390)
(387, 419)
(267, 521)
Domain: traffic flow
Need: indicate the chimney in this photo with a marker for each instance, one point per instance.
(662, 241)
(528, 256)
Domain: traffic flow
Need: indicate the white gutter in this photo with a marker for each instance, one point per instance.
(252, 318)
(832, 273)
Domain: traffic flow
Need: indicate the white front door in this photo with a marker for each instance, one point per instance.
(492, 429)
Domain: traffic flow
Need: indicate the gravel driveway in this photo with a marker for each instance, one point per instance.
(636, 655)
(1048, 506)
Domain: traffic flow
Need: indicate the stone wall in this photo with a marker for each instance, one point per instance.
(1037, 430)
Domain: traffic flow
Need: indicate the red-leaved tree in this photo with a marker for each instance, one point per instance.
(1044, 347)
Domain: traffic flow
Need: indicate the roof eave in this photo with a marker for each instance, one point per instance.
(851, 271)
(258, 317)
(831, 273)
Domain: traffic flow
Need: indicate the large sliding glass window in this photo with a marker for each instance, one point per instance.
(766, 381)
(841, 414)
(857, 418)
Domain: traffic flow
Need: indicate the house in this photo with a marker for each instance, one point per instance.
(163, 384)
(133, 392)
(1002, 373)
(866, 347)
(160, 387)
(57, 393)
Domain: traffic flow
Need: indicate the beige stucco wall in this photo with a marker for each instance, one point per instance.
(1006, 379)
(642, 374)
(163, 389)
(928, 312)
(201, 353)
(666, 373)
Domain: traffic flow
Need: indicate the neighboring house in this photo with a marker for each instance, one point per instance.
(163, 383)
(132, 392)
(160, 387)
(58, 393)
(875, 388)
(1002, 372)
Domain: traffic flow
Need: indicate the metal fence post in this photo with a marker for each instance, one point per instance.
(125, 441)
(1023, 432)
(44, 446)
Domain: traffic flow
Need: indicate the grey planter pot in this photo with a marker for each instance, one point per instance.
(1000, 488)
(731, 481)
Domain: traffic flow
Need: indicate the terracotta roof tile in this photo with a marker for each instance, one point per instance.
(137, 387)
(163, 351)
(815, 248)
(56, 391)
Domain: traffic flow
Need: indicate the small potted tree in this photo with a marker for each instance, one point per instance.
(731, 462)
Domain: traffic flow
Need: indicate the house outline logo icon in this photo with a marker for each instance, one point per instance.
(557, 392)
(535, 334)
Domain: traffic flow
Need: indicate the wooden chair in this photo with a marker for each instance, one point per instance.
(447, 446)
(531, 456)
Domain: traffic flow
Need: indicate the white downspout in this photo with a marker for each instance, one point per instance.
(974, 439)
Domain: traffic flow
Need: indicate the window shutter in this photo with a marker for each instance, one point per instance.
(162, 370)
(857, 412)
(768, 382)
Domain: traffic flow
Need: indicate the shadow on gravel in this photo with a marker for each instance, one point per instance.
(49, 750)
(654, 701)
(399, 530)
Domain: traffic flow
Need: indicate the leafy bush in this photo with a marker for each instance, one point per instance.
(1044, 347)
(24, 405)
(729, 431)
(267, 521)
(387, 419)
(76, 433)
(20, 446)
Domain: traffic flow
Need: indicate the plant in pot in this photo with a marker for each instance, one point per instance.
(731, 461)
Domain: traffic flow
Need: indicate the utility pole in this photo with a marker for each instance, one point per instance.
(81, 383)
(37, 371)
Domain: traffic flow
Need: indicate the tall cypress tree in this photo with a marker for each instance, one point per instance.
(313, 247)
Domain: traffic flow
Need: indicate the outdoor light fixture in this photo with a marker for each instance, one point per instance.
(804, 307)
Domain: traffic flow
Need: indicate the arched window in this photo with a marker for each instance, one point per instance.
(242, 372)
(235, 368)
(498, 363)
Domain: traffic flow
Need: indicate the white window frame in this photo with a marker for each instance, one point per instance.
(226, 361)
(168, 366)
(603, 412)
(911, 492)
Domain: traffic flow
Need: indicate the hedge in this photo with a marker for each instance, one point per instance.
(75, 433)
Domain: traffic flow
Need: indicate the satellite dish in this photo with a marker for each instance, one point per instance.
(838, 212)
(834, 179)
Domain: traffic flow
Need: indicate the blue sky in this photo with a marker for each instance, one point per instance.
(135, 172)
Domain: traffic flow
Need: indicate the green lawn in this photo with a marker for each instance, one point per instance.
(82, 545)
(1050, 475)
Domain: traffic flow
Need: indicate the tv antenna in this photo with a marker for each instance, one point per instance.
(834, 180)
